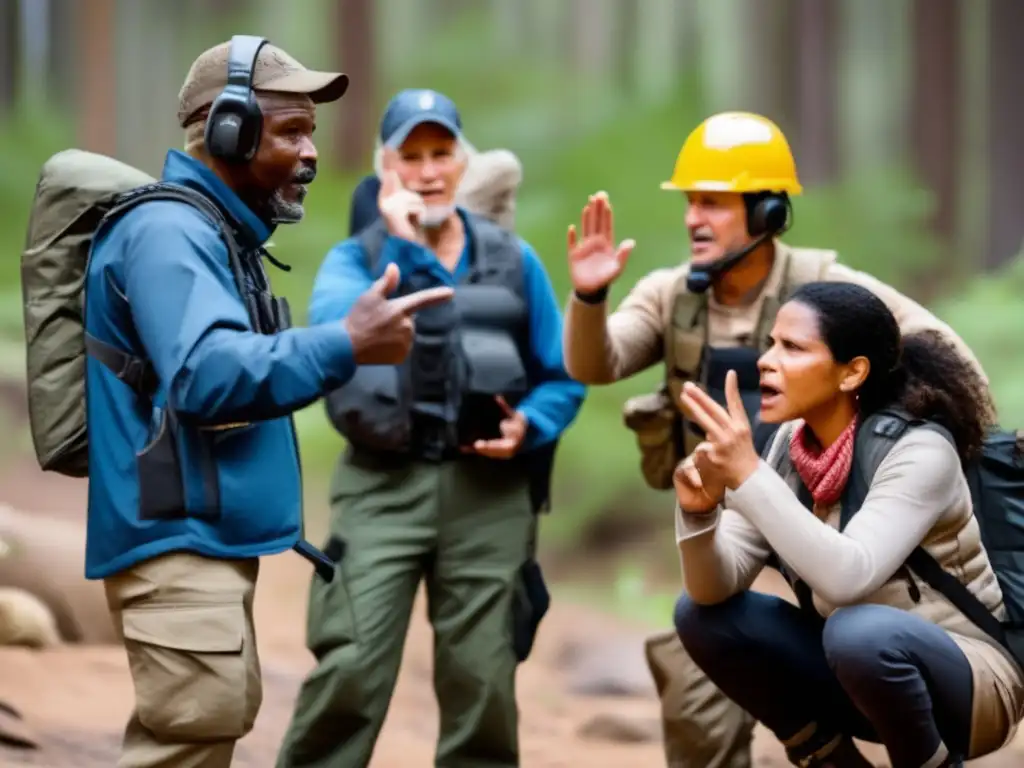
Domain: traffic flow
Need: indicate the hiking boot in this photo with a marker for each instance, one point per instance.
(838, 752)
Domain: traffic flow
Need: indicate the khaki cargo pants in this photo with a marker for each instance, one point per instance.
(186, 623)
(702, 727)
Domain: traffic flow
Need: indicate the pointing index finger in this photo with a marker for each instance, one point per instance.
(428, 297)
(735, 401)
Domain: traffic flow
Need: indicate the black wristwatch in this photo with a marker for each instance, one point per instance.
(595, 297)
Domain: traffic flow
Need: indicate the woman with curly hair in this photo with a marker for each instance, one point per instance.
(875, 654)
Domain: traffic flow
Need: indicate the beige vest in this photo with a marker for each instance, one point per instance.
(688, 333)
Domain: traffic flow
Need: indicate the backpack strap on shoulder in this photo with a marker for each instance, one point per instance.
(371, 240)
(875, 438)
(134, 371)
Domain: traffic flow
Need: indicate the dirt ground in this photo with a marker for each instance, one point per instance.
(76, 700)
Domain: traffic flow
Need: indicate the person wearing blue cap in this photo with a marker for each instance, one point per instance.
(447, 465)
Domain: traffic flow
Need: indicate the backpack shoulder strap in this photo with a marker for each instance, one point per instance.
(949, 586)
(875, 438)
(371, 239)
(134, 371)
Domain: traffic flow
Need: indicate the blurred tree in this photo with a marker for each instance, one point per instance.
(511, 25)
(934, 117)
(148, 78)
(592, 43)
(625, 40)
(354, 22)
(874, 84)
(817, 136)
(662, 46)
(748, 61)
(9, 56)
(62, 59)
(769, 76)
(97, 102)
(1006, 115)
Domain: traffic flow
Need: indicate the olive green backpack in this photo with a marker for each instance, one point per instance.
(75, 191)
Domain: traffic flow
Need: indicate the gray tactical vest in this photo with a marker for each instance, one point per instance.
(464, 353)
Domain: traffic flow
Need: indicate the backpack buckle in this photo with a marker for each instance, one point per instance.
(133, 372)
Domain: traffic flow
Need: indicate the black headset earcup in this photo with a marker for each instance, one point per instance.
(768, 214)
(222, 135)
(233, 128)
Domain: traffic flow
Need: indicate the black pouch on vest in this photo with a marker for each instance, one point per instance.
(529, 604)
(368, 410)
(161, 486)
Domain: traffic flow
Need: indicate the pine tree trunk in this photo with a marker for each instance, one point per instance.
(354, 128)
(1006, 115)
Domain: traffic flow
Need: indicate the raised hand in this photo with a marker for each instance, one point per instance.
(402, 209)
(594, 260)
(381, 329)
(728, 455)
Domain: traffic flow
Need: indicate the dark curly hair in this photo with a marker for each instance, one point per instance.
(922, 373)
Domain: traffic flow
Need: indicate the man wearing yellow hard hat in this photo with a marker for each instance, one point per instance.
(700, 319)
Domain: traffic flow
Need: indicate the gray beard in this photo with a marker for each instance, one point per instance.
(436, 215)
(284, 212)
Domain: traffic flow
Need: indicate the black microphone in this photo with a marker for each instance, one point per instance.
(700, 279)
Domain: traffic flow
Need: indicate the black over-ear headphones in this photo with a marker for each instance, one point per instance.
(767, 212)
(235, 122)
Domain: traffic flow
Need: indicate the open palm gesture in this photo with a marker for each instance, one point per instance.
(594, 260)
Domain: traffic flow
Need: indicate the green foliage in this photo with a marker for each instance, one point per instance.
(988, 313)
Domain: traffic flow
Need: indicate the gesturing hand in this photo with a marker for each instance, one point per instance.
(513, 431)
(728, 456)
(594, 261)
(381, 329)
(695, 497)
(402, 209)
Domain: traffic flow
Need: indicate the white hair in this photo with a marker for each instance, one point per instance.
(463, 151)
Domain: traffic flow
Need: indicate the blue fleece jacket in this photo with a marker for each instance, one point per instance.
(159, 286)
(554, 399)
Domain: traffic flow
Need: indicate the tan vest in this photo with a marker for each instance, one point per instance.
(662, 434)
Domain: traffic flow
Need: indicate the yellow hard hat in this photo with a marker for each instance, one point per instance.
(735, 152)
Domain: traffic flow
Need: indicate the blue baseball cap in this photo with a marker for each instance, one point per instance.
(413, 107)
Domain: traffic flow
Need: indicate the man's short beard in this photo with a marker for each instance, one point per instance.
(285, 211)
(436, 215)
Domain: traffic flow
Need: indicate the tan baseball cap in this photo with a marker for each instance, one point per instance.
(275, 71)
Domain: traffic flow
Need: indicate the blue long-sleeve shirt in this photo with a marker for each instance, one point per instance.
(554, 398)
(159, 286)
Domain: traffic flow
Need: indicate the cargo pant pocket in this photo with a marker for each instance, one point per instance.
(330, 619)
(189, 670)
(530, 602)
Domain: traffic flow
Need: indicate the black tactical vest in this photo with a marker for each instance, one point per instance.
(464, 353)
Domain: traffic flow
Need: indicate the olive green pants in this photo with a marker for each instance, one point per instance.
(466, 527)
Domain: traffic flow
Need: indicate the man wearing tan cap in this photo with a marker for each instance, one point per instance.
(194, 465)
